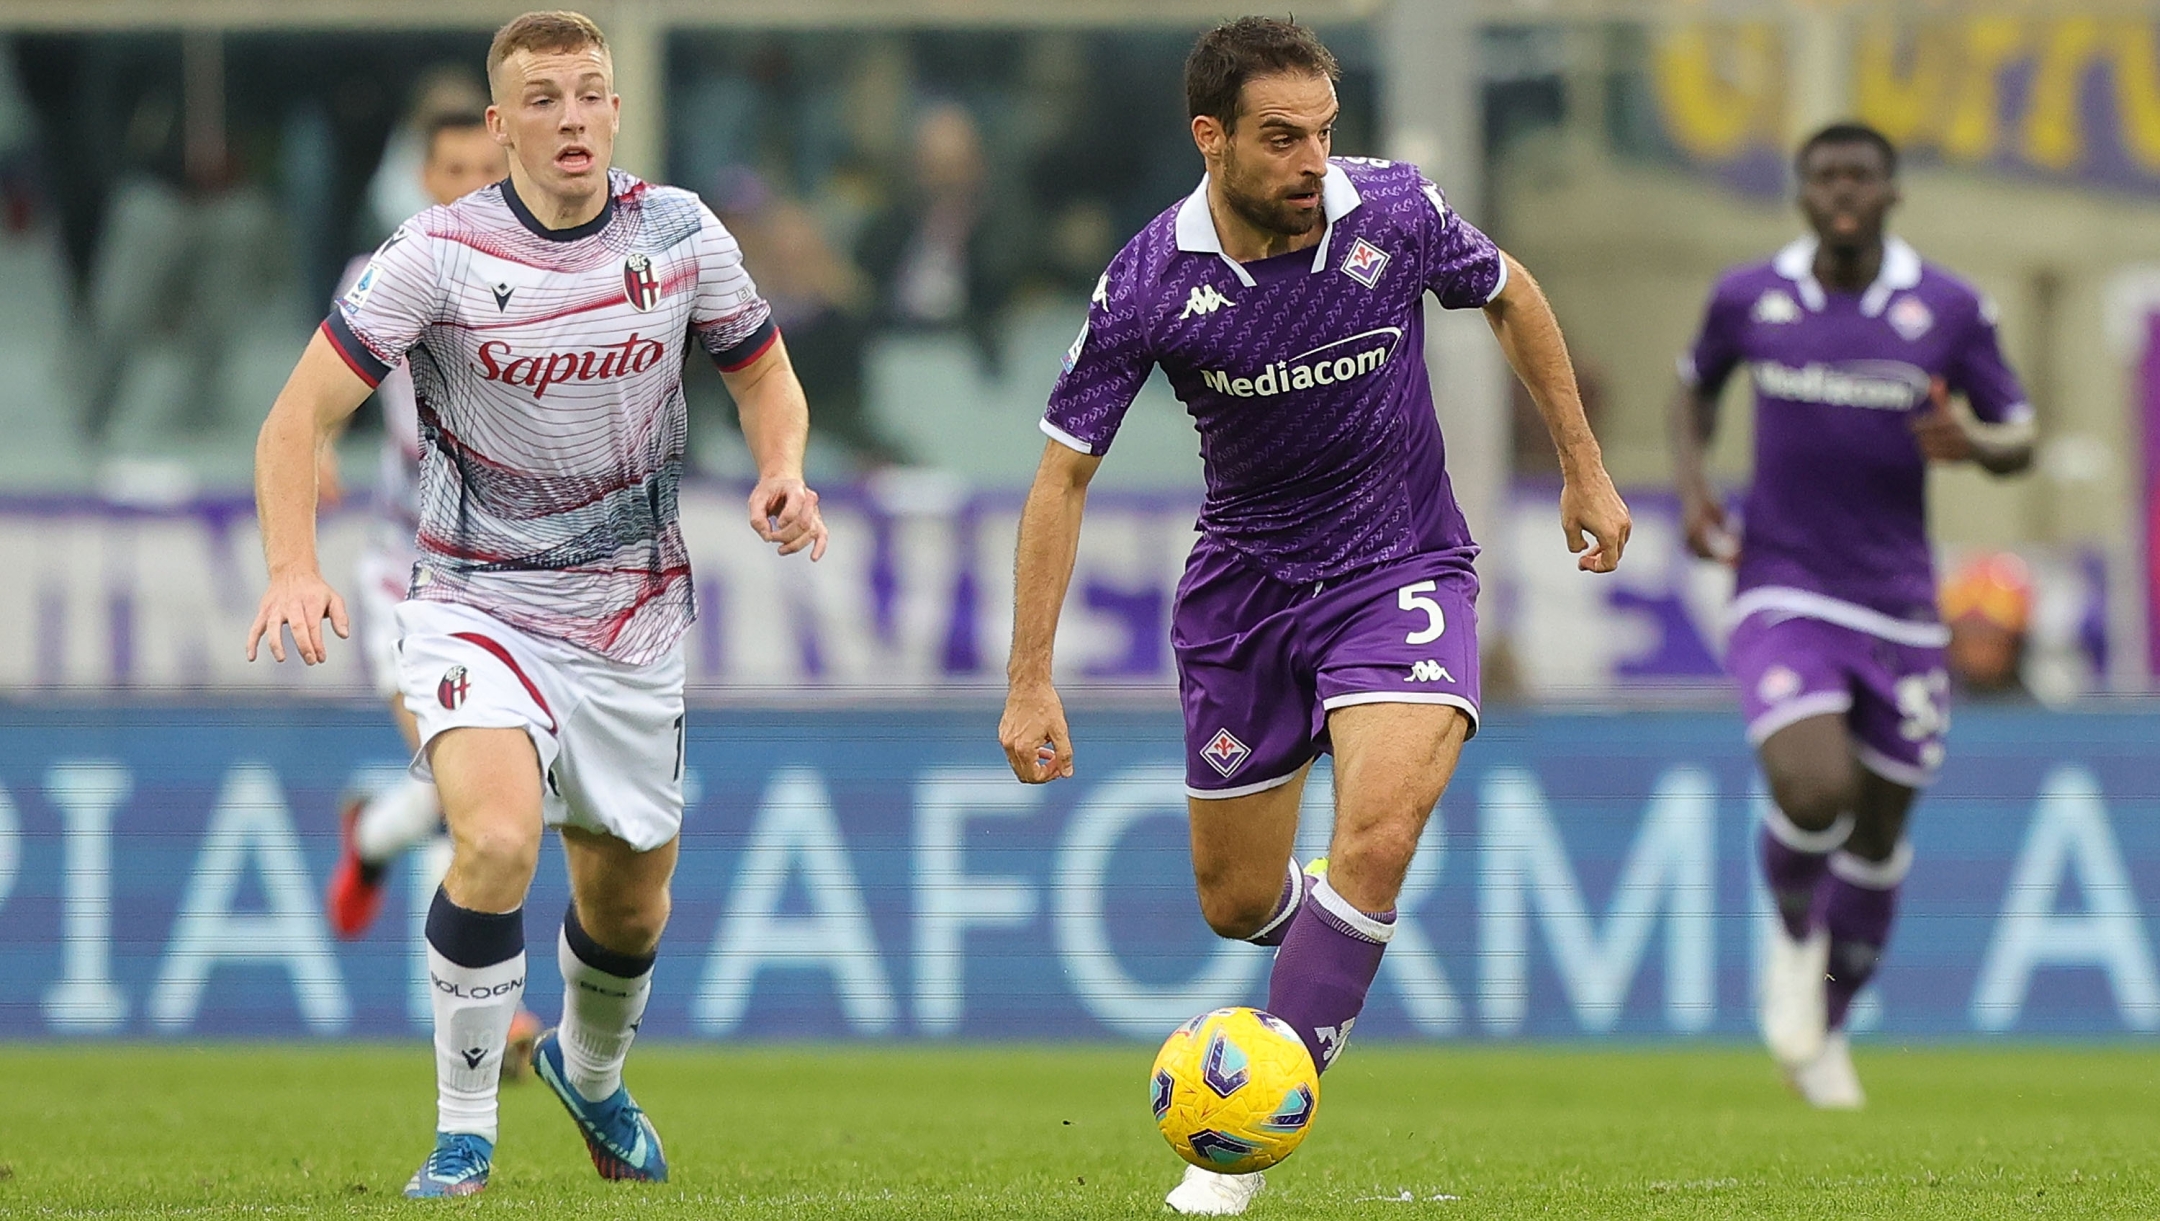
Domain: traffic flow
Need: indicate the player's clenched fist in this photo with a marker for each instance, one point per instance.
(785, 511)
(1589, 504)
(1033, 732)
(301, 601)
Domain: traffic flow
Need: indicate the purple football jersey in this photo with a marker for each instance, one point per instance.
(1836, 521)
(1305, 373)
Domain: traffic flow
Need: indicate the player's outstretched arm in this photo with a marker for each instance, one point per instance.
(1523, 322)
(776, 426)
(1033, 731)
(322, 391)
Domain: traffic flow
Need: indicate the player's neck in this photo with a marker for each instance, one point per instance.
(557, 211)
(1249, 243)
(1848, 269)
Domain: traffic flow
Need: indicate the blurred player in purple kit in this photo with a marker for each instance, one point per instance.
(544, 321)
(1855, 347)
(1330, 603)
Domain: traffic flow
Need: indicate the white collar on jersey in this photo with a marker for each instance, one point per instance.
(1196, 225)
(1900, 271)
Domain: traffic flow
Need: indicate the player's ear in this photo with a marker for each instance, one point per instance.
(497, 129)
(1208, 135)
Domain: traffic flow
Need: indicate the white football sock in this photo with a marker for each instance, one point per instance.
(396, 819)
(600, 1017)
(473, 1009)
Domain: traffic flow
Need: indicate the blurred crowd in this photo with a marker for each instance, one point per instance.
(205, 187)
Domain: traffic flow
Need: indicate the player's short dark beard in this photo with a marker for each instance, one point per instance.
(1271, 213)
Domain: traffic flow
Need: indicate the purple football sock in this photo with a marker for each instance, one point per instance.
(1325, 967)
(1286, 905)
(1858, 904)
(1794, 864)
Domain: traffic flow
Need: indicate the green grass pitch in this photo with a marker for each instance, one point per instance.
(796, 1133)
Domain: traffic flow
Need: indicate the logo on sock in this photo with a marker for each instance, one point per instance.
(473, 1056)
(451, 690)
(481, 992)
(1332, 1039)
(1225, 753)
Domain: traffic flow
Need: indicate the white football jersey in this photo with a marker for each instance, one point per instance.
(547, 374)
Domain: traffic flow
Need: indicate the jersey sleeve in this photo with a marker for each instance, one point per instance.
(730, 319)
(1462, 266)
(1716, 352)
(1979, 372)
(1106, 365)
(380, 318)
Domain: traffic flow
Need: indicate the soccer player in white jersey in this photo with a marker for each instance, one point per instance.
(461, 157)
(544, 322)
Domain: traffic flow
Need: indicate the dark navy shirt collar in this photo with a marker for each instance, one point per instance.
(526, 218)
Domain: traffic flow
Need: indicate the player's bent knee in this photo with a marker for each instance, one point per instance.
(496, 849)
(1237, 918)
(1812, 802)
(630, 927)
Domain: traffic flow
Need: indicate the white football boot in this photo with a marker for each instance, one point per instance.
(1828, 1081)
(1204, 1193)
(1793, 1007)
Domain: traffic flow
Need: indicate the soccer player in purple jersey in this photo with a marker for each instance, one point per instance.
(544, 320)
(1855, 346)
(1330, 602)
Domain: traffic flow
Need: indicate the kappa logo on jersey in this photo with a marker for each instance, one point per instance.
(1225, 753)
(502, 296)
(1910, 317)
(1429, 671)
(1204, 301)
(1365, 262)
(1776, 308)
(633, 355)
(451, 691)
(641, 284)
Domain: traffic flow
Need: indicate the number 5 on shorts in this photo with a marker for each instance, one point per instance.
(1412, 598)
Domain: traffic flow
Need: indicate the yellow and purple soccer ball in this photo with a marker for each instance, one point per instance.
(1234, 1090)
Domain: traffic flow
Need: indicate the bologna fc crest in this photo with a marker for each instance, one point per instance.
(641, 284)
(451, 690)
(1365, 262)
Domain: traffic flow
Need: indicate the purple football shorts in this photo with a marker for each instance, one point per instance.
(1261, 663)
(1894, 698)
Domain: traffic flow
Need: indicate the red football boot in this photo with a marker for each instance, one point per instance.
(356, 888)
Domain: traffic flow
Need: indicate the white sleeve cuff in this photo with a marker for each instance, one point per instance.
(1066, 439)
(1499, 285)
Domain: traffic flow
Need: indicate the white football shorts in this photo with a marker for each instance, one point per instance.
(380, 578)
(609, 735)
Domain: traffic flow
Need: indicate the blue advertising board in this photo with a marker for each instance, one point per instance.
(878, 874)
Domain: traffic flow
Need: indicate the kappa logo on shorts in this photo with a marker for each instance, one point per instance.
(1365, 262)
(1225, 753)
(1778, 684)
(453, 687)
(1429, 671)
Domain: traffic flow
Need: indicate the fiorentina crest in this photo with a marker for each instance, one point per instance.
(1365, 262)
(1224, 752)
(641, 284)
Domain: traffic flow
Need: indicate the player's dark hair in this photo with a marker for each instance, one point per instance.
(1237, 51)
(451, 120)
(1847, 132)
